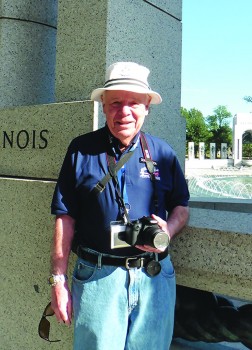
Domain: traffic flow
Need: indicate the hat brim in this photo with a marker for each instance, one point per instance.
(155, 97)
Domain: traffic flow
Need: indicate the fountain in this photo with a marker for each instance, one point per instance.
(221, 186)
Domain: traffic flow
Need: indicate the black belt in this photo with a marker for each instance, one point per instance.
(129, 262)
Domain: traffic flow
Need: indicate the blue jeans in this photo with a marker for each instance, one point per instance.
(120, 309)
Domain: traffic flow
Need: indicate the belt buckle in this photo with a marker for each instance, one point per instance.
(136, 259)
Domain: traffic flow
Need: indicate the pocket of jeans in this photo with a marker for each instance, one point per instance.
(167, 268)
(84, 272)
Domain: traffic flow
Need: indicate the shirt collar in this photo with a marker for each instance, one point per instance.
(115, 143)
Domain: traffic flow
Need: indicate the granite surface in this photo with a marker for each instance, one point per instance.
(28, 52)
(204, 258)
(34, 139)
(172, 7)
(44, 12)
(156, 43)
(91, 38)
(218, 260)
(81, 48)
(25, 237)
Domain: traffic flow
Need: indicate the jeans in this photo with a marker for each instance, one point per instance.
(120, 309)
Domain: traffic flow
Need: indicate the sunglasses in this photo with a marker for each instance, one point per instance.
(44, 324)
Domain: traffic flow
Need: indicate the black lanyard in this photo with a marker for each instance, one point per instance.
(150, 164)
(115, 167)
(112, 170)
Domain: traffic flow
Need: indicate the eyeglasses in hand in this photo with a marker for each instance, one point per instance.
(44, 324)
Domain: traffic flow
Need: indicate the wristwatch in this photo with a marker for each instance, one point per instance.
(54, 279)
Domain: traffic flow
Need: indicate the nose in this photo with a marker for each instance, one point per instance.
(126, 110)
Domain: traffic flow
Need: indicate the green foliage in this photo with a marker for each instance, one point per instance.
(247, 137)
(221, 117)
(248, 98)
(218, 124)
(247, 151)
(247, 144)
(215, 128)
(196, 128)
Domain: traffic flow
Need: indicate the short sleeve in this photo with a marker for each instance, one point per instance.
(64, 198)
(179, 196)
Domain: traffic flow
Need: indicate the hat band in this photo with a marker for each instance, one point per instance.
(125, 81)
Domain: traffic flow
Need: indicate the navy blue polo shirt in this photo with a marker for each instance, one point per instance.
(86, 163)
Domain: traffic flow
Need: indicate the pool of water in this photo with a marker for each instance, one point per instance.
(239, 187)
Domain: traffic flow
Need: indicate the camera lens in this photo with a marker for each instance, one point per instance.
(161, 240)
(155, 237)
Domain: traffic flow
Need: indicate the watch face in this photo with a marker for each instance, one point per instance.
(51, 280)
(54, 279)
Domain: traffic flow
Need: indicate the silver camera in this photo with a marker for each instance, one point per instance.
(144, 231)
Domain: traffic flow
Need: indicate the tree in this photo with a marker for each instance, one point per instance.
(248, 98)
(247, 137)
(247, 144)
(218, 124)
(196, 128)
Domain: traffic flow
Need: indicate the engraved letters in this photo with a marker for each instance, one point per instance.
(25, 139)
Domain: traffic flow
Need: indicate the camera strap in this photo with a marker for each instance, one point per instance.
(115, 167)
(150, 164)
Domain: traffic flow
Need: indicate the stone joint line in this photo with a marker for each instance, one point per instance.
(26, 20)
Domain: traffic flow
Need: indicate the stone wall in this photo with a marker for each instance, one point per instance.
(28, 52)
(33, 139)
(94, 34)
(214, 252)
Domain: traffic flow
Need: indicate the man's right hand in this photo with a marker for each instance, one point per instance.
(62, 302)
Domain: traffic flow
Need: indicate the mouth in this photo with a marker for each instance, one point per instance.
(123, 124)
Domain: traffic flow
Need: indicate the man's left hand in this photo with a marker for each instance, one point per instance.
(163, 225)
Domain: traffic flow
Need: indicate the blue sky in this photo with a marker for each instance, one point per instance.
(217, 55)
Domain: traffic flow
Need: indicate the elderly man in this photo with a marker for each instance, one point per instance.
(120, 198)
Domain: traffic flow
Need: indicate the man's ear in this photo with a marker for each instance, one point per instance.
(147, 110)
(147, 107)
(102, 103)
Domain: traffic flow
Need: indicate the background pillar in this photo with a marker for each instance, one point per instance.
(33, 139)
(92, 34)
(191, 154)
(224, 151)
(27, 51)
(212, 150)
(201, 150)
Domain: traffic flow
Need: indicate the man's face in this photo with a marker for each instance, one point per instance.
(125, 113)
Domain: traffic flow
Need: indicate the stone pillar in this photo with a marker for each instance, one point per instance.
(33, 143)
(92, 34)
(190, 150)
(212, 150)
(34, 139)
(201, 150)
(224, 151)
(27, 51)
(241, 123)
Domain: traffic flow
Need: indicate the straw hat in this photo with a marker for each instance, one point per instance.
(127, 76)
